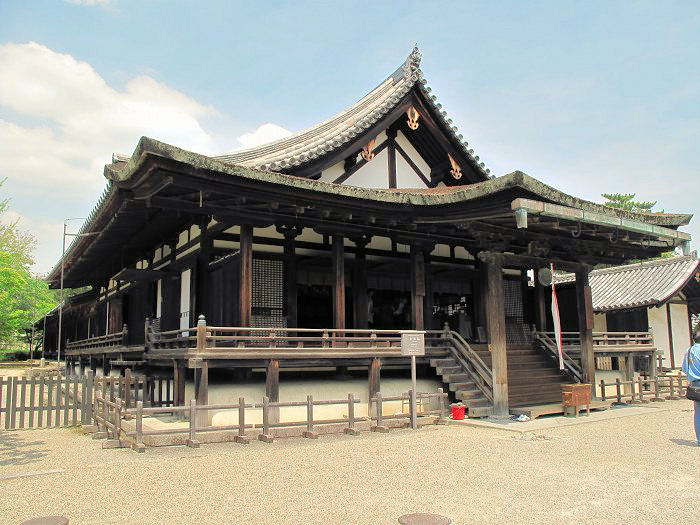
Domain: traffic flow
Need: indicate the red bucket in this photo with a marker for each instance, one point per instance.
(458, 412)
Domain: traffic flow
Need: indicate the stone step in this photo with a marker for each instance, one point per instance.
(469, 394)
(484, 411)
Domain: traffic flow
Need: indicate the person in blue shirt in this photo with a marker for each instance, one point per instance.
(691, 368)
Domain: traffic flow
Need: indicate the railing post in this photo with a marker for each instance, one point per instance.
(640, 389)
(325, 339)
(310, 419)
(680, 385)
(350, 429)
(618, 387)
(192, 441)
(671, 389)
(127, 387)
(265, 436)
(657, 392)
(378, 427)
(125, 335)
(241, 437)
(602, 389)
(139, 446)
(201, 333)
(146, 324)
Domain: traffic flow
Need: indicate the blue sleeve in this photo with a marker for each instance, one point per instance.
(685, 363)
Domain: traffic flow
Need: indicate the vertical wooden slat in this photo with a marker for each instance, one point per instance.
(13, 408)
(338, 265)
(75, 399)
(246, 274)
(8, 401)
(66, 401)
(2, 410)
(22, 400)
(57, 413)
(83, 400)
(32, 399)
(40, 415)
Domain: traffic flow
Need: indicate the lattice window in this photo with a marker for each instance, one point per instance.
(517, 331)
(268, 293)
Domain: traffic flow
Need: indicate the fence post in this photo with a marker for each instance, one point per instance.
(241, 437)
(138, 446)
(350, 429)
(671, 389)
(201, 333)
(657, 391)
(640, 389)
(265, 436)
(602, 389)
(680, 385)
(378, 427)
(127, 387)
(192, 441)
(309, 433)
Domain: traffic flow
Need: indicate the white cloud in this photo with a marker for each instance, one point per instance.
(265, 133)
(62, 122)
(48, 235)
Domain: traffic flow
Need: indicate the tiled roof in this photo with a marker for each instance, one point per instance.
(317, 141)
(634, 285)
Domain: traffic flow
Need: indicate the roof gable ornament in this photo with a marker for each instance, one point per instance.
(411, 68)
(456, 171)
(413, 116)
(368, 151)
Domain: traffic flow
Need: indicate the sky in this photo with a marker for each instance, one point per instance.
(590, 97)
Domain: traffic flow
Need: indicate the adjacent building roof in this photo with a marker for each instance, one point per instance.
(317, 141)
(648, 283)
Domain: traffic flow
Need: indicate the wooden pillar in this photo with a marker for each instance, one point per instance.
(290, 273)
(246, 275)
(428, 300)
(540, 305)
(669, 326)
(584, 305)
(179, 376)
(338, 262)
(201, 280)
(360, 297)
(496, 329)
(417, 286)
(375, 367)
(272, 387)
(201, 390)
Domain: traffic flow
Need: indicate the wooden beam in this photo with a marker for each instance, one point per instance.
(246, 275)
(391, 134)
(338, 262)
(201, 389)
(428, 300)
(413, 165)
(179, 378)
(584, 305)
(496, 329)
(290, 274)
(540, 305)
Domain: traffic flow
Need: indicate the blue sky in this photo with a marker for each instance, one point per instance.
(589, 97)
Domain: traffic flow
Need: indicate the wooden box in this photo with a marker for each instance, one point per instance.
(577, 396)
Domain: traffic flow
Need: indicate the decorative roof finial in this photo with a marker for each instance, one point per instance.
(411, 68)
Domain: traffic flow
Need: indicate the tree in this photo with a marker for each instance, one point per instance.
(624, 201)
(23, 296)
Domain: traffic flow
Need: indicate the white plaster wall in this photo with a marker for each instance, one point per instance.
(680, 330)
(402, 141)
(405, 176)
(600, 323)
(659, 328)
(374, 174)
(332, 173)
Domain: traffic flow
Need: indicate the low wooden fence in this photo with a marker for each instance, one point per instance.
(57, 401)
(643, 390)
(43, 402)
(376, 403)
(109, 412)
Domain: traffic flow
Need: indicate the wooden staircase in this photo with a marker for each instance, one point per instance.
(533, 376)
(533, 379)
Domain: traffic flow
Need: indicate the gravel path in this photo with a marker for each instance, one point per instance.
(638, 469)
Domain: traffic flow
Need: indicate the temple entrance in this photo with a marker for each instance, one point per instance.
(314, 306)
(389, 309)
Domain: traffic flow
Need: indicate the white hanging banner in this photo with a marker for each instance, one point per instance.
(556, 321)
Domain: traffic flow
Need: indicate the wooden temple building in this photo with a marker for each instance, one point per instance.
(316, 249)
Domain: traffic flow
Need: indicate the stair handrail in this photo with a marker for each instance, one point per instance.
(550, 347)
(470, 362)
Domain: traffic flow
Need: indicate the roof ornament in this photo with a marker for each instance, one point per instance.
(413, 116)
(456, 171)
(411, 68)
(368, 151)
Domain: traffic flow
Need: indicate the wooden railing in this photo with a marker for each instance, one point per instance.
(644, 390)
(605, 339)
(102, 343)
(470, 361)
(546, 343)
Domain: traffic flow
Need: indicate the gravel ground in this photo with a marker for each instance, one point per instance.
(637, 469)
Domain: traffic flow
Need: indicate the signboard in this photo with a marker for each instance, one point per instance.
(412, 343)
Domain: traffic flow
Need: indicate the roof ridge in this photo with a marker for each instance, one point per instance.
(649, 263)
